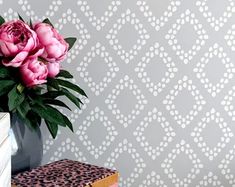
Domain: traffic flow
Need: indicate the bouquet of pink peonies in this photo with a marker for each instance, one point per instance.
(31, 78)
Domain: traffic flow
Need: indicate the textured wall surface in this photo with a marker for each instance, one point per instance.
(160, 79)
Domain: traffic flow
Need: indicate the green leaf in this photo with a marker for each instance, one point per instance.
(20, 17)
(37, 100)
(34, 118)
(2, 20)
(50, 114)
(52, 127)
(56, 102)
(72, 98)
(47, 114)
(30, 23)
(65, 121)
(31, 125)
(23, 108)
(4, 73)
(53, 83)
(71, 86)
(48, 22)
(5, 86)
(65, 74)
(70, 41)
(52, 94)
(68, 123)
(15, 98)
(37, 89)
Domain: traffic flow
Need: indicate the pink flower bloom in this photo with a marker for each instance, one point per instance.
(55, 46)
(53, 69)
(17, 42)
(33, 72)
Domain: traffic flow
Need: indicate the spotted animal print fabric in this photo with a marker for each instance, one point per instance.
(63, 173)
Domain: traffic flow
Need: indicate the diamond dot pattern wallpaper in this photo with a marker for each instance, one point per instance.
(160, 80)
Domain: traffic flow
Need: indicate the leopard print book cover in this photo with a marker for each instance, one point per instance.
(63, 173)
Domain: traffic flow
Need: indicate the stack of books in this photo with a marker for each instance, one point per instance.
(5, 150)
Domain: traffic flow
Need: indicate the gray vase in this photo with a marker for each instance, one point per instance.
(27, 146)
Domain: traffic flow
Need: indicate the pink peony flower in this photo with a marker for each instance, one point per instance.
(53, 69)
(17, 42)
(33, 72)
(55, 46)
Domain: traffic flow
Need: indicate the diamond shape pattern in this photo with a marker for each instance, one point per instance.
(214, 116)
(218, 51)
(182, 147)
(127, 83)
(157, 23)
(125, 146)
(127, 17)
(98, 23)
(219, 22)
(84, 137)
(99, 50)
(185, 83)
(187, 17)
(151, 150)
(156, 50)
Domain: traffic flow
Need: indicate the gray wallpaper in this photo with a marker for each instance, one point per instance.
(160, 79)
